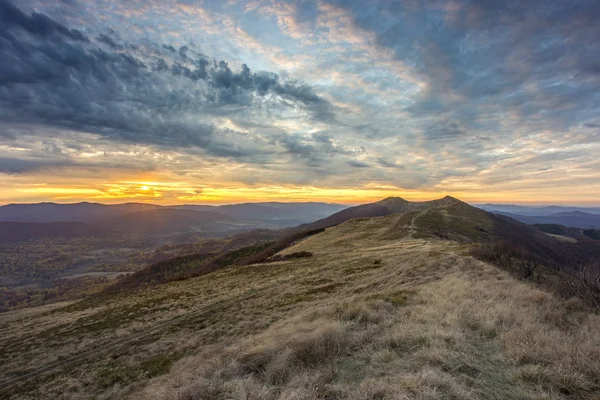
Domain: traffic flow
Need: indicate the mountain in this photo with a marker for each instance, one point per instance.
(272, 214)
(390, 205)
(165, 220)
(280, 214)
(534, 210)
(572, 219)
(11, 232)
(451, 219)
(80, 212)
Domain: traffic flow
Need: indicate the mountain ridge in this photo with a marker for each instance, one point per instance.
(87, 211)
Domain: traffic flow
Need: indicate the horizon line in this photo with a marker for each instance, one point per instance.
(331, 202)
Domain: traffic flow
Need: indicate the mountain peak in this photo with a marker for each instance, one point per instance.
(450, 198)
(392, 199)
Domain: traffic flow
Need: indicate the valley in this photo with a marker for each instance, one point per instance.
(43, 245)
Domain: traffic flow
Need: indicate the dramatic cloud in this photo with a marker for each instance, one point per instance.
(54, 76)
(454, 96)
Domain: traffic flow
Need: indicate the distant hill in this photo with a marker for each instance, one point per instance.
(164, 220)
(536, 211)
(11, 232)
(79, 212)
(282, 214)
(270, 214)
(572, 219)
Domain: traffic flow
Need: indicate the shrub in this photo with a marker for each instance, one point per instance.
(584, 283)
(581, 281)
(511, 257)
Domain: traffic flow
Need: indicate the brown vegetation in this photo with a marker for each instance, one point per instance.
(369, 315)
(566, 280)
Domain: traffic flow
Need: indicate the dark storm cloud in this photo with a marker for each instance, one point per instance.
(55, 77)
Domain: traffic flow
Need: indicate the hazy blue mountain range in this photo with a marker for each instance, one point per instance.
(536, 210)
(41, 218)
(573, 217)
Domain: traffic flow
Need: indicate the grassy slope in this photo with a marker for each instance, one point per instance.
(364, 318)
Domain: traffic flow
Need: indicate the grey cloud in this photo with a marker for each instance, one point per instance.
(295, 144)
(358, 164)
(107, 40)
(36, 24)
(13, 166)
(495, 54)
(445, 130)
(388, 164)
(170, 48)
(71, 84)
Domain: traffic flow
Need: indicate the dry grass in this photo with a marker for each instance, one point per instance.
(461, 337)
(369, 319)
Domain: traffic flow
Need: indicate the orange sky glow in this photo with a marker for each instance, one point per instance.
(181, 192)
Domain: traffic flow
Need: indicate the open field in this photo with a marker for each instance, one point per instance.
(363, 318)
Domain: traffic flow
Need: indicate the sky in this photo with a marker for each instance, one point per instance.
(185, 101)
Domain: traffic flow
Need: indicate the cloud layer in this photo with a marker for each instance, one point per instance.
(440, 96)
